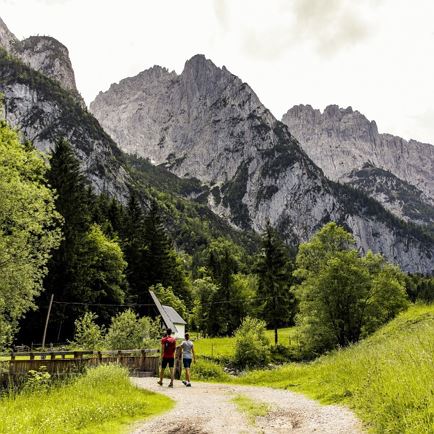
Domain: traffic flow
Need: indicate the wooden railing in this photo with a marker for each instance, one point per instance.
(62, 362)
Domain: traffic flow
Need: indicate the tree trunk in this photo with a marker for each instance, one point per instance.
(275, 336)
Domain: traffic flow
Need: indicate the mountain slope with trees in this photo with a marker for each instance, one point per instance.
(207, 123)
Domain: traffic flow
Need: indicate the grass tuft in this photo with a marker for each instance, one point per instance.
(251, 408)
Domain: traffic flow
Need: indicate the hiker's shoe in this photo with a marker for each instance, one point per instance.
(188, 384)
(170, 385)
(160, 383)
(184, 382)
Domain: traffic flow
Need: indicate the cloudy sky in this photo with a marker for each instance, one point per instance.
(375, 55)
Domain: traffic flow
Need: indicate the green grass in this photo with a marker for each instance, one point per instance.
(101, 401)
(224, 348)
(250, 407)
(388, 379)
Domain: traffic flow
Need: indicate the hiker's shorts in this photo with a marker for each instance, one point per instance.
(186, 362)
(167, 361)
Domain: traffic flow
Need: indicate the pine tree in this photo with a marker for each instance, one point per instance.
(72, 202)
(274, 273)
(223, 262)
(162, 262)
(133, 235)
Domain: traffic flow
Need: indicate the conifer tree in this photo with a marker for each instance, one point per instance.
(162, 264)
(73, 203)
(133, 234)
(223, 262)
(274, 275)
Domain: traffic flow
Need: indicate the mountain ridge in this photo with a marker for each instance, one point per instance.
(208, 124)
(340, 140)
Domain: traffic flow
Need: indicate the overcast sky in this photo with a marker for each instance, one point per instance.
(374, 55)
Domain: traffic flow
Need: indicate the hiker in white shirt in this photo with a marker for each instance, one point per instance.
(188, 356)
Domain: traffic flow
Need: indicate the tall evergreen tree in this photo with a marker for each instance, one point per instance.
(223, 262)
(274, 272)
(133, 235)
(162, 262)
(72, 202)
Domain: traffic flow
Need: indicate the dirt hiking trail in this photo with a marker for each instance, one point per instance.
(207, 408)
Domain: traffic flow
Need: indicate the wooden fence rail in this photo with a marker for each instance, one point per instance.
(140, 362)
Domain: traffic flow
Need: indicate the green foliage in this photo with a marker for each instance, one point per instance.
(251, 344)
(99, 276)
(29, 229)
(104, 400)
(342, 296)
(204, 290)
(420, 287)
(229, 301)
(68, 268)
(207, 370)
(127, 331)
(37, 381)
(233, 193)
(387, 378)
(274, 274)
(88, 335)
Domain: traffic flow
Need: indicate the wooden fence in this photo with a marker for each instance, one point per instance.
(138, 362)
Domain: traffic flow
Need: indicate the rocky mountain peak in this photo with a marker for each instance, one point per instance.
(208, 124)
(342, 141)
(44, 54)
(201, 77)
(7, 38)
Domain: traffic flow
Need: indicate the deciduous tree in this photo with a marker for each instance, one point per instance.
(29, 229)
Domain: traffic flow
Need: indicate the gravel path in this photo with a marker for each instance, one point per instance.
(207, 408)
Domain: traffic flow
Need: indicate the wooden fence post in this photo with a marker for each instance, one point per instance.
(178, 363)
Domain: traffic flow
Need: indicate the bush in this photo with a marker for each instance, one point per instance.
(206, 370)
(252, 347)
(281, 354)
(88, 335)
(127, 331)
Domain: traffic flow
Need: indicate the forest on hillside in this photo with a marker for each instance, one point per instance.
(100, 257)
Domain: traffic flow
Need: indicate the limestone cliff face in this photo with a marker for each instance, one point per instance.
(7, 38)
(341, 141)
(44, 54)
(44, 112)
(206, 123)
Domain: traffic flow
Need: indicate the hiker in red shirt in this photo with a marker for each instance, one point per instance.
(168, 347)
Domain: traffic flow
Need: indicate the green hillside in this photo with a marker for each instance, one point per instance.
(388, 379)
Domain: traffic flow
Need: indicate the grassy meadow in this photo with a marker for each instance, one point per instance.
(224, 348)
(388, 379)
(103, 400)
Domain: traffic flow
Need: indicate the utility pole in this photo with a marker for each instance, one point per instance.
(46, 321)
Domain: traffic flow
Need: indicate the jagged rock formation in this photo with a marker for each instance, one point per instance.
(44, 54)
(396, 195)
(7, 38)
(342, 141)
(44, 112)
(206, 123)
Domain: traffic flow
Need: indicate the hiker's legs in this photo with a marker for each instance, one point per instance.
(172, 373)
(161, 375)
(187, 374)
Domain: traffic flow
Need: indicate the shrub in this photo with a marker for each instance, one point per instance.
(281, 354)
(206, 370)
(37, 381)
(127, 331)
(252, 347)
(88, 335)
